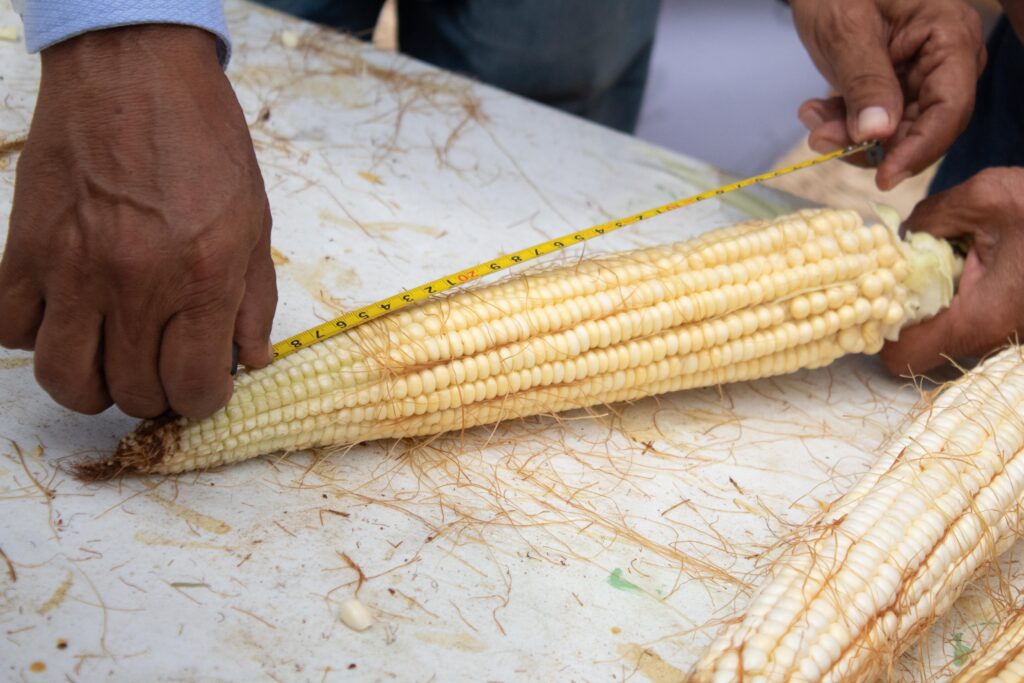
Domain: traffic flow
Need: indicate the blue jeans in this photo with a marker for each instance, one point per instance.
(995, 135)
(587, 57)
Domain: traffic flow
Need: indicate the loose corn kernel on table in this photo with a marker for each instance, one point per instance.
(599, 545)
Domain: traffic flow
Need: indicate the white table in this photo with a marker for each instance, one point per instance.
(594, 547)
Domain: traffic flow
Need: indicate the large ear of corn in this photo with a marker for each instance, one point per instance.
(1001, 660)
(748, 301)
(853, 587)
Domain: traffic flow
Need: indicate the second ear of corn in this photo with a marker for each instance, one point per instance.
(855, 586)
(753, 300)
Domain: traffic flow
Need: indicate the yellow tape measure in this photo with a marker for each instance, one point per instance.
(410, 296)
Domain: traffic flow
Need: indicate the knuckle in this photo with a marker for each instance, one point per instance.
(209, 272)
(846, 27)
(205, 261)
(985, 189)
(838, 23)
(975, 28)
(206, 310)
(968, 25)
(127, 266)
(959, 34)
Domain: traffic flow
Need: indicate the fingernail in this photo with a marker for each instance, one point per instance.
(270, 350)
(811, 119)
(872, 122)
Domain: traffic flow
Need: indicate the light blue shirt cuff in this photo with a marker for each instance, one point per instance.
(50, 21)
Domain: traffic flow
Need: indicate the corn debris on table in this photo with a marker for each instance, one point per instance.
(753, 300)
(855, 586)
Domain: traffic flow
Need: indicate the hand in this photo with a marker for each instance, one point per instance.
(906, 71)
(988, 308)
(139, 243)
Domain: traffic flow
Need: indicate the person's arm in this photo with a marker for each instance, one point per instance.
(906, 71)
(988, 308)
(139, 242)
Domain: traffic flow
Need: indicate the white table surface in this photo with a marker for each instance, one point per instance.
(598, 546)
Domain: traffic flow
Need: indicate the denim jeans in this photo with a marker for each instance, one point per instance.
(587, 57)
(995, 135)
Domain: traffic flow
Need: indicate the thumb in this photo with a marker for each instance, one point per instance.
(874, 103)
(866, 79)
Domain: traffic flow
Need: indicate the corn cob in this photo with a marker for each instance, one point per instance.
(743, 302)
(858, 583)
(1002, 658)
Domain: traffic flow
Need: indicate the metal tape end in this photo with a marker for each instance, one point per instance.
(875, 154)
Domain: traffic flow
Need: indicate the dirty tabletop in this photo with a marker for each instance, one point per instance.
(598, 545)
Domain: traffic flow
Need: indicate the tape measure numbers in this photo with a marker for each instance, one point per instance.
(411, 296)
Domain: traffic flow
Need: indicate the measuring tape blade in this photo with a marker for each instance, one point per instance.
(398, 301)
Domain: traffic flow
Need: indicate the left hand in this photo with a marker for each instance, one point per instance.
(988, 308)
(906, 71)
(139, 246)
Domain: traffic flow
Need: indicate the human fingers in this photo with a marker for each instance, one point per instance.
(68, 357)
(981, 317)
(131, 357)
(945, 108)
(195, 356)
(21, 311)
(256, 313)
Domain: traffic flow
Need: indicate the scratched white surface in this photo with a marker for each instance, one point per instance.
(595, 547)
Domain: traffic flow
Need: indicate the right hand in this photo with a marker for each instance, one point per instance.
(906, 72)
(139, 243)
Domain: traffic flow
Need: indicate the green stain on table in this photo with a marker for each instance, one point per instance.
(961, 650)
(616, 581)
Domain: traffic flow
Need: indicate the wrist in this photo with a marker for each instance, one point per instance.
(115, 55)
